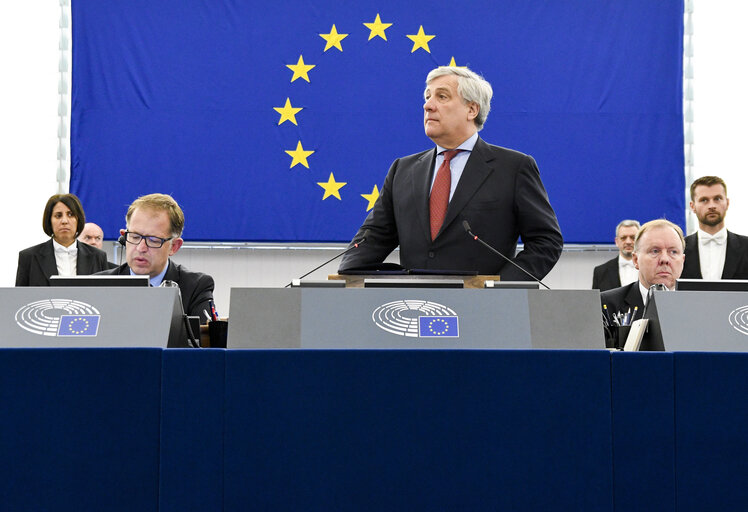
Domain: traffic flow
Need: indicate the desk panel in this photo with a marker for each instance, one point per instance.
(418, 430)
(80, 429)
(643, 431)
(711, 419)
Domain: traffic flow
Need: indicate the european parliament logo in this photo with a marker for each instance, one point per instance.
(417, 319)
(59, 317)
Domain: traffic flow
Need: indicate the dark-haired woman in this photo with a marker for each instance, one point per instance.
(62, 254)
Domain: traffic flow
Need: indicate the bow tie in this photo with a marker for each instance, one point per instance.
(718, 239)
(628, 263)
(73, 249)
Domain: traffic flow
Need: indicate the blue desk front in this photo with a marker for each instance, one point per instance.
(163, 430)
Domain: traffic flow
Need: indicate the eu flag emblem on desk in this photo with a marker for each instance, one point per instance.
(438, 327)
(79, 325)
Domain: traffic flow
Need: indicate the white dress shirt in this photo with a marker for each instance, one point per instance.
(627, 271)
(66, 259)
(712, 252)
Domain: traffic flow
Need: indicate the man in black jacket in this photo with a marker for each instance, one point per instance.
(426, 197)
(658, 255)
(154, 228)
(713, 252)
(620, 270)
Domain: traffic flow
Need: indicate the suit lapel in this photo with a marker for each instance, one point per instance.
(172, 273)
(84, 261)
(692, 258)
(634, 299)
(732, 255)
(421, 182)
(475, 173)
(46, 260)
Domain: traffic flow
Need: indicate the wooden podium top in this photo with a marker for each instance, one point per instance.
(357, 281)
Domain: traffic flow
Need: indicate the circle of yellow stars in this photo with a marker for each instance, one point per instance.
(301, 69)
(433, 327)
(78, 330)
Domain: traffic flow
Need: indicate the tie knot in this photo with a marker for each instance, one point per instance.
(450, 154)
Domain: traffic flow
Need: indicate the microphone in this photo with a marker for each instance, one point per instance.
(121, 241)
(650, 295)
(354, 246)
(193, 341)
(466, 225)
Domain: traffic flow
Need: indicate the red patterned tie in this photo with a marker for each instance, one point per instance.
(439, 199)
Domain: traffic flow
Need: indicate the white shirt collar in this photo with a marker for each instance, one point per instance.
(468, 145)
(623, 262)
(645, 292)
(61, 249)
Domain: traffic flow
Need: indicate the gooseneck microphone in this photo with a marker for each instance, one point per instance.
(354, 246)
(193, 341)
(466, 225)
(121, 241)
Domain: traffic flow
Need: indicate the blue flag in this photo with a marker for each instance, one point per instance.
(277, 121)
(438, 327)
(79, 325)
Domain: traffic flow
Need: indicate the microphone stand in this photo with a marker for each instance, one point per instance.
(354, 246)
(466, 226)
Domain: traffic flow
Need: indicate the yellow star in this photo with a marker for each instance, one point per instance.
(299, 156)
(420, 40)
(331, 187)
(453, 64)
(287, 112)
(377, 28)
(372, 198)
(333, 39)
(300, 70)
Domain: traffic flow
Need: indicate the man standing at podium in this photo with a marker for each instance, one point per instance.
(426, 197)
(713, 252)
(154, 227)
(658, 255)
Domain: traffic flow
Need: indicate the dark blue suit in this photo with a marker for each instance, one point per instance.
(499, 193)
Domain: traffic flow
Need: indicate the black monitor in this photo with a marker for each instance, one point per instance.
(701, 285)
(99, 280)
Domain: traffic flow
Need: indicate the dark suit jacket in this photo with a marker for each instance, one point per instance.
(499, 193)
(736, 258)
(606, 276)
(196, 288)
(36, 264)
(622, 298)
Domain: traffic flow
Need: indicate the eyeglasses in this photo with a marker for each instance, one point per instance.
(154, 242)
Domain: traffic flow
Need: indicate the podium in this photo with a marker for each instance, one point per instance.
(357, 280)
(414, 318)
(697, 321)
(87, 317)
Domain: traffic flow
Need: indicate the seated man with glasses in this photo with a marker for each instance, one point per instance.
(154, 227)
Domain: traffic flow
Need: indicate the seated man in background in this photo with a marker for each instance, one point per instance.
(658, 255)
(620, 270)
(92, 235)
(154, 229)
(713, 252)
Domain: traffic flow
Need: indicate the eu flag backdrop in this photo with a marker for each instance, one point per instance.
(277, 121)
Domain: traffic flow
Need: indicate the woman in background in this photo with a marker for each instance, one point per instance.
(61, 255)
